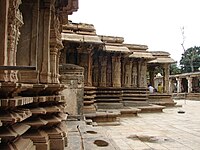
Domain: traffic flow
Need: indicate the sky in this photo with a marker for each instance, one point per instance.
(155, 23)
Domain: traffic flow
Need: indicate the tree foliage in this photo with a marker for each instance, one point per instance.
(190, 60)
(174, 69)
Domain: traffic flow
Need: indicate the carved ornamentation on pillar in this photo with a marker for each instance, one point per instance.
(95, 71)
(116, 71)
(55, 46)
(142, 73)
(134, 75)
(166, 78)
(127, 73)
(15, 21)
(90, 54)
(103, 64)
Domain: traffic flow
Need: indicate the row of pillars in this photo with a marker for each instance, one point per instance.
(180, 86)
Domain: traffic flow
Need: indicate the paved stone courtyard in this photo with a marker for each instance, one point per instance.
(169, 130)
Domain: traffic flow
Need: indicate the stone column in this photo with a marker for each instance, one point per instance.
(116, 71)
(55, 46)
(189, 79)
(142, 68)
(3, 34)
(179, 80)
(43, 53)
(134, 80)
(166, 78)
(170, 86)
(95, 72)
(89, 80)
(151, 76)
(53, 64)
(103, 68)
(127, 73)
(15, 21)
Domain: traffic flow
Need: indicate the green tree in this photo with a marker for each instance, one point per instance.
(174, 69)
(190, 60)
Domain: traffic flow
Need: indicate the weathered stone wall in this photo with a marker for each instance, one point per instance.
(72, 76)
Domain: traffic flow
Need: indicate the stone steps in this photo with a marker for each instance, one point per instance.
(161, 99)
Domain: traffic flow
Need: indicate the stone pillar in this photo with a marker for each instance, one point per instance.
(103, 68)
(43, 53)
(134, 80)
(151, 76)
(3, 34)
(179, 80)
(170, 86)
(95, 72)
(15, 21)
(53, 64)
(116, 71)
(55, 46)
(166, 78)
(142, 68)
(127, 73)
(189, 79)
(89, 79)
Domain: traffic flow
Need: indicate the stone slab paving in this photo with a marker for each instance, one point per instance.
(169, 130)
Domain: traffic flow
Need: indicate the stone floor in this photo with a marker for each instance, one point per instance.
(171, 130)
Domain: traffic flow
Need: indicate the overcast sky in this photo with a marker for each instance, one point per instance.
(155, 23)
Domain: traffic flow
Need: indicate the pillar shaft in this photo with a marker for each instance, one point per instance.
(179, 80)
(44, 49)
(142, 69)
(89, 80)
(151, 76)
(189, 79)
(166, 78)
(103, 68)
(3, 34)
(116, 71)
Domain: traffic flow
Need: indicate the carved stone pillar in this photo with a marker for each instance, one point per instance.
(89, 81)
(15, 21)
(170, 86)
(179, 80)
(53, 63)
(116, 71)
(134, 79)
(43, 54)
(95, 72)
(151, 76)
(189, 79)
(142, 73)
(127, 73)
(3, 34)
(55, 46)
(166, 78)
(103, 68)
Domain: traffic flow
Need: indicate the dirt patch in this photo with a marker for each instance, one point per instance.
(101, 143)
(91, 132)
(151, 139)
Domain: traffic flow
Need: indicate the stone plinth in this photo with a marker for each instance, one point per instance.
(134, 96)
(161, 99)
(72, 77)
(89, 100)
(108, 98)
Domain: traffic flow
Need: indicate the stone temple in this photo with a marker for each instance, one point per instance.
(54, 71)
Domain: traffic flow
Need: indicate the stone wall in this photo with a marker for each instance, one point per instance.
(72, 76)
